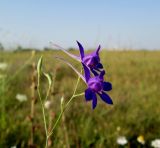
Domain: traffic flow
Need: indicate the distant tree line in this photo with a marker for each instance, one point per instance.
(20, 48)
(1, 47)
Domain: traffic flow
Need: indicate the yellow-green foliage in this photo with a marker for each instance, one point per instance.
(135, 76)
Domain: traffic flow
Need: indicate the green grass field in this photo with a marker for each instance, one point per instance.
(135, 76)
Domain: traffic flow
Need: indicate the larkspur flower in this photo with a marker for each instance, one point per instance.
(96, 85)
(92, 60)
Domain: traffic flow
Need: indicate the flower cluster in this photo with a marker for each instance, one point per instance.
(93, 75)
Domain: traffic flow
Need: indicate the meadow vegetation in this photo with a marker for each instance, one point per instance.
(135, 78)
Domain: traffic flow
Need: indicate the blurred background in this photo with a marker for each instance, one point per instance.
(129, 34)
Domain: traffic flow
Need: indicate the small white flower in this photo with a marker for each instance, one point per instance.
(21, 97)
(122, 140)
(155, 143)
(48, 104)
(3, 66)
(13, 147)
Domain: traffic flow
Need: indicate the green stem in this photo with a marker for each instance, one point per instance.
(43, 111)
(76, 85)
(74, 96)
(56, 123)
(48, 91)
(64, 108)
(62, 111)
(46, 142)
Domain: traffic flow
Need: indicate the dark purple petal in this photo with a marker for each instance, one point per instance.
(94, 72)
(102, 74)
(94, 101)
(95, 60)
(106, 98)
(86, 72)
(99, 65)
(89, 94)
(97, 51)
(107, 86)
(81, 49)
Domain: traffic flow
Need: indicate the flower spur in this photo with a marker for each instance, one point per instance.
(92, 60)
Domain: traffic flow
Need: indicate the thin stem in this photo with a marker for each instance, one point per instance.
(64, 108)
(76, 85)
(74, 96)
(43, 111)
(46, 142)
(62, 111)
(57, 121)
(48, 91)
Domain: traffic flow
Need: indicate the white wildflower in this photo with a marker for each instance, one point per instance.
(155, 143)
(122, 140)
(48, 104)
(13, 147)
(21, 97)
(3, 66)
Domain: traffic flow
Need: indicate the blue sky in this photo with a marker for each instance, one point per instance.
(111, 23)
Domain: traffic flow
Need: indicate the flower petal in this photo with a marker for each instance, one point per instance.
(81, 49)
(94, 101)
(89, 94)
(94, 72)
(86, 72)
(106, 98)
(97, 51)
(102, 74)
(99, 65)
(107, 86)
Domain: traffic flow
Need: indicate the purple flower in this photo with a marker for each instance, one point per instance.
(96, 85)
(92, 60)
